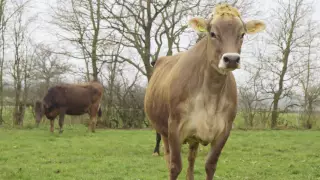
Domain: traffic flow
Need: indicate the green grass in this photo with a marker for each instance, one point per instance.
(126, 154)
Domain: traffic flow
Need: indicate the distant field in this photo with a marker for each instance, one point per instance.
(290, 119)
(126, 155)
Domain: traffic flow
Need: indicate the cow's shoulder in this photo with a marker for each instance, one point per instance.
(168, 60)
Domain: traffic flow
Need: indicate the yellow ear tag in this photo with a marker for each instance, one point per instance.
(201, 29)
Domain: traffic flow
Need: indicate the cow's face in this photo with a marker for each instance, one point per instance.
(39, 110)
(51, 112)
(226, 31)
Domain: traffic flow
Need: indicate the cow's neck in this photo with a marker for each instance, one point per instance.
(214, 78)
(212, 58)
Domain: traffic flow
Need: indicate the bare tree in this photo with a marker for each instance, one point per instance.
(48, 65)
(112, 72)
(3, 30)
(144, 26)
(309, 77)
(129, 108)
(6, 13)
(80, 21)
(18, 39)
(22, 63)
(287, 34)
(252, 100)
(134, 21)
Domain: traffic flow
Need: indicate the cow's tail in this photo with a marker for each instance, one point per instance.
(99, 112)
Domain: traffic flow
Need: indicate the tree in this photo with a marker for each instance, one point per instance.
(80, 22)
(251, 99)
(287, 33)
(22, 64)
(48, 65)
(3, 29)
(309, 78)
(6, 14)
(143, 26)
(134, 22)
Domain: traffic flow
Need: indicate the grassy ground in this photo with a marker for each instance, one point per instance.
(126, 154)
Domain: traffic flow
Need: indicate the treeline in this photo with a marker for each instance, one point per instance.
(114, 41)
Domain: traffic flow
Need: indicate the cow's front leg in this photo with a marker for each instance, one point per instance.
(216, 148)
(175, 150)
(61, 121)
(51, 125)
(166, 151)
(193, 148)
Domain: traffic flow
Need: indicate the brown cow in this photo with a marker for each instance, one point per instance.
(71, 99)
(192, 96)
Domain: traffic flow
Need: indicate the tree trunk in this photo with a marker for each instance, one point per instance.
(96, 26)
(17, 106)
(2, 20)
(274, 113)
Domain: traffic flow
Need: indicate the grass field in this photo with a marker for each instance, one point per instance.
(126, 154)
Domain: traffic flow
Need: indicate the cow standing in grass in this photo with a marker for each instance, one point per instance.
(192, 96)
(71, 99)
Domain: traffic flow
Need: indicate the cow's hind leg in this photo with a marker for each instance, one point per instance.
(92, 123)
(193, 148)
(216, 148)
(93, 117)
(156, 151)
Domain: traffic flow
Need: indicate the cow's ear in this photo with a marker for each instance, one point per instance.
(199, 24)
(255, 26)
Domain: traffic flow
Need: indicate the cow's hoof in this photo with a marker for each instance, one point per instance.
(155, 154)
(61, 131)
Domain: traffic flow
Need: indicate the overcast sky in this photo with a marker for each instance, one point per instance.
(43, 32)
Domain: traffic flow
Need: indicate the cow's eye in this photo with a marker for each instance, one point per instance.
(213, 35)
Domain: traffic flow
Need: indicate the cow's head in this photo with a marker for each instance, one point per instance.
(39, 111)
(226, 31)
(42, 108)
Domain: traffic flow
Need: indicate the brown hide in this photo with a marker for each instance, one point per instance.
(192, 96)
(187, 100)
(176, 79)
(72, 99)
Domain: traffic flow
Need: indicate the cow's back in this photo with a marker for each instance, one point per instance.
(156, 98)
(84, 94)
(75, 98)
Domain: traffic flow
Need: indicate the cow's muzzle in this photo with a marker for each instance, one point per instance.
(230, 61)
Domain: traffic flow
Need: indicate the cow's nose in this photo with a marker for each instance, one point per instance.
(231, 59)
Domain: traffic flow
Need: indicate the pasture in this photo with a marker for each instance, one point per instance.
(35, 153)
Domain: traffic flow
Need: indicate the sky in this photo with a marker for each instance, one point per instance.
(44, 32)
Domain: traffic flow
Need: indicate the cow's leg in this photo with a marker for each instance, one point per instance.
(216, 148)
(93, 117)
(175, 150)
(193, 148)
(156, 151)
(61, 121)
(166, 151)
(93, 123)
(51, 125)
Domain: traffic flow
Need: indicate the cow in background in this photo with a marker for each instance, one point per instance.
(71, 99)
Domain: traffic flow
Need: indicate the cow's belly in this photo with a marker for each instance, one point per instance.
(202, 126)
(204, 119)
(76, 111)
